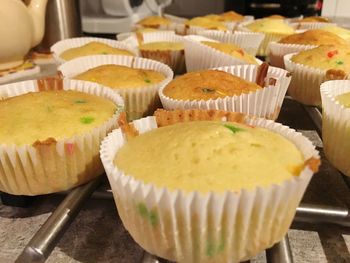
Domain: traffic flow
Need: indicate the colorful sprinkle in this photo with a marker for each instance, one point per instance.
(104, 52)
(147, 80)
(80, 101)
(339, 62)
(49, 108)
(208, 90)
(331, 54)
(151, 216)
(232, 128)
(87, 120)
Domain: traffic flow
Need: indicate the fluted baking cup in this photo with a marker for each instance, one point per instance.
(265, 102)
(269, 37)
(54, 165)
(199, 56)
(69, 43)
(276, 52)
(212, 227)
(305, 84)
(139, 102)
(249, 41)
(175, 59)
(336, 125)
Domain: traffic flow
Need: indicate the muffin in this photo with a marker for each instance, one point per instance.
(249, 41)
(313, 22)
(200, 226)
(205, 53)
(299, 42)
(312, 67)
(200, 23)
(341, 32)
(249, 89)
(57, 149)
(71, 48)
(137, 80)
(165, 47)
(274, 30)
(232, 16)
(315, 19)
(335, 124)
(154, 21)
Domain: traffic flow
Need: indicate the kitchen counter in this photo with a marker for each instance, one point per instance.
(97, 234)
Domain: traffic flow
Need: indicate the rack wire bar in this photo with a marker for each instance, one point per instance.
(44, 241)
(280, 252)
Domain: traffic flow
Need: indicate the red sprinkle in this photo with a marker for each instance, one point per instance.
(69, 148)
(330, 54)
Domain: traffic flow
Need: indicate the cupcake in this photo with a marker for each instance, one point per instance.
(299, 42)
(238, 207)
(163, 23)
(274, 30)
(312, 22)
(276, 17)
(312, 67)
(204, 53)
(137, 80)
(197, 24)
(341, 32)
(71, 48)
(165, 47)
(50, 134)
(253, 90)
(249, 41)
(335, 125)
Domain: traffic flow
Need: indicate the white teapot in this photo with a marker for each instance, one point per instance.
(21, 28)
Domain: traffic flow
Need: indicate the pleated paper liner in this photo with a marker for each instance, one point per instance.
(311, 25)
(54, 165)
(249, 41)
(200, 56)
(265, 102)
(27, 69)
(269, 37)
(336, 125)
(276, 52)
(212, 227)
(306, 81)
(139, 102)
(70, 43)
(175, 59)
(178, 28)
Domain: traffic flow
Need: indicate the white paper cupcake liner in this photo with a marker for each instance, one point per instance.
(69, 43)
(178, 28)
(19, 74)
(276, 52)
(175, 59)
(249, 41)
(265, 102)
(212, 227)
(336, 125)
(310, 25)
(269, 37)
(199, 56)
(305, 84)
(140, 101)
(53, 166)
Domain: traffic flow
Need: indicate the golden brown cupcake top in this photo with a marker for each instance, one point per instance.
(315, 19)
(274, 26)
(326, 57)
(153, 21)
(206, 23)
(313, 37)
(206, 85)
(229, 16)
(231, 50)
(162, 45)
(117, 76)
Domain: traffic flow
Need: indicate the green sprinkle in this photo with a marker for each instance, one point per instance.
(147, 80)
(87, 120)
(234, 129)
(151, 216)
(208, 90)
(104, 52)
(210, 251)
(80, 101)
(49, 108)
(339, 62)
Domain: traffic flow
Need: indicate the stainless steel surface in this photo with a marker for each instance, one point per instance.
(280, 252)
(44, 241)
(316, 117)
(62, 21)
